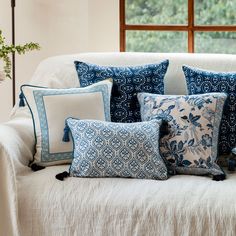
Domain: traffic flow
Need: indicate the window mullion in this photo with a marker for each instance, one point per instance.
(191, 26)
(122, 26)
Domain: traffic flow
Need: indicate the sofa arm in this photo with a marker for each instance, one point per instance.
(16, 150)
(17, 138)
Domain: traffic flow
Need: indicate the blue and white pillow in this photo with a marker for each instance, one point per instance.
(106, 149)
(50, 108)
(190, 147)
(127, 82)
(201, 81)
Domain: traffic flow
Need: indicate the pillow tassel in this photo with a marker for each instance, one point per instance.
(66, 137)
(62, 176)
(22, 102)
(219, 177)
(34, 167)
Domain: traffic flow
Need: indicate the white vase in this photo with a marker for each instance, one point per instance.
(2, 76)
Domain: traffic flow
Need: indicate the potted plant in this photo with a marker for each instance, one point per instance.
(6, 50)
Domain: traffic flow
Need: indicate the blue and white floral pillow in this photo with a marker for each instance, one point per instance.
(106, 149)
(127, 82)
(202, 81)
(191, 145)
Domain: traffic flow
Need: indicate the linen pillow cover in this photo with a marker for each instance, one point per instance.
(191, 145)
(201, 81)
(50, 108)
(127, 82)
(106, 149)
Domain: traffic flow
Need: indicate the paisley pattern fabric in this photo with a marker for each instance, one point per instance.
(106, 149)
(199, 82)
(191, 145)
(127, 82)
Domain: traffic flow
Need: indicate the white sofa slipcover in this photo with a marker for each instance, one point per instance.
(35, 203)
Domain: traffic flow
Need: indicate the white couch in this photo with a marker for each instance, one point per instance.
(36, 203)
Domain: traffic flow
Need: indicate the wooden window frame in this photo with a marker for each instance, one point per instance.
(190, 28)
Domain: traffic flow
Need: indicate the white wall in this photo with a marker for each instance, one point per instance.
(103, 25)
(60, 27)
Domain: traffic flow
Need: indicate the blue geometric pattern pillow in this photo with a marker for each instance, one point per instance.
(127, 82)
(201, 81)
(190, 147)
(106, 149)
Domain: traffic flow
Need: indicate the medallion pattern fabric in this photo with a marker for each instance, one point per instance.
(106, 149)
(49, 109)
(127, 82)
(201, 81)
(190, 147)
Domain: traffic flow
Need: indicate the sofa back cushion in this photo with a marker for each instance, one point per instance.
(59, 71)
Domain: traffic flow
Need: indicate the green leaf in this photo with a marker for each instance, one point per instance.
(6, 50)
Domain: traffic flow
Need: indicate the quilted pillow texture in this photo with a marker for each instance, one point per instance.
(201, 81)
(106, 149)
(191, 145)
(127, 82)
(50, 108)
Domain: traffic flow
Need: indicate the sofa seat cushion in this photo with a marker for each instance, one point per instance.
(181, 205)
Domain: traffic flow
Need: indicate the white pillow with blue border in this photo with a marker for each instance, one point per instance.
(50, 108)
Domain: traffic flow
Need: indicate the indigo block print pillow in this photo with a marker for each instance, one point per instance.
(190, 147)
(106, 149)
(199, 82)
(127, 82)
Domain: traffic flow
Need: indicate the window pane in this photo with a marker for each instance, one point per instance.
(215, 42)
(156, 41)
(215, 12)
(156, 12)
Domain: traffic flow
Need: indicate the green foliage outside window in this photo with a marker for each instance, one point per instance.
(207, 12)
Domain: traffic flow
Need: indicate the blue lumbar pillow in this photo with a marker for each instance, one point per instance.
(127, 82)
(201, 81)
(190, 147)
(106, 149)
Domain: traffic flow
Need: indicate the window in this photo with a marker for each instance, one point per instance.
(203, 26)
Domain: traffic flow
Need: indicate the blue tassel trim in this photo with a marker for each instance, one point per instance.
(66, 137)
(219, 177)
(34, 167)
(62, 176)
(22, 100)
